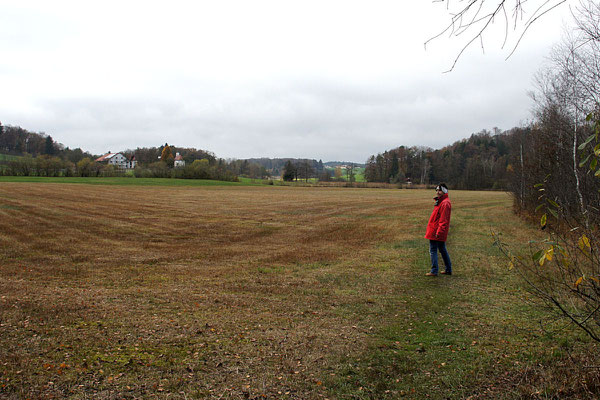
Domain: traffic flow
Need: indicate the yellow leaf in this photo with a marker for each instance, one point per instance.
(549, 253)
(543, 220)
(595, 279)
(584, 242)
(511, 265)
(578, 282)
(542, 259)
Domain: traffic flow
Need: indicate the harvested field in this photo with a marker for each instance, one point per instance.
(262, 292)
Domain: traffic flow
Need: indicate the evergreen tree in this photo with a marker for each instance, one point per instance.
(395, 166)
(49, 146)
(320, 166)
(289, 171)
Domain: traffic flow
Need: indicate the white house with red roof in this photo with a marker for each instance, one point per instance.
(118, 160)
(179, 161)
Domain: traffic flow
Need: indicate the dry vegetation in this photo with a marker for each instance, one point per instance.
(262, 292)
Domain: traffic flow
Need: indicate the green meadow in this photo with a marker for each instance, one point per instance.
(122, 181)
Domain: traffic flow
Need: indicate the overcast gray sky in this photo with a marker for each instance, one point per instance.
(331, 80)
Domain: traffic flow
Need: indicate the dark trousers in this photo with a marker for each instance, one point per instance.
(434, 247)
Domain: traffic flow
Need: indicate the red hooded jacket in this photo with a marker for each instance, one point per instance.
(439, 222)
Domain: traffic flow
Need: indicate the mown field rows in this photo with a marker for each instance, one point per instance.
(265, 292)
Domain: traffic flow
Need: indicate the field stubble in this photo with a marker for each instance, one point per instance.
(257, 292)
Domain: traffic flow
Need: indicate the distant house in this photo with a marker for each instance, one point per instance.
(118, 160)
(179, 161)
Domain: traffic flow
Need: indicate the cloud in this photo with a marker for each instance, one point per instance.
(335, 80)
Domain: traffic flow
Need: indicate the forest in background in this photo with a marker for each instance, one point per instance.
(483, 161)
(45, 157)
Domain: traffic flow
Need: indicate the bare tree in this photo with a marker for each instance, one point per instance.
(570, 87)
(350, 177)
(564, 269)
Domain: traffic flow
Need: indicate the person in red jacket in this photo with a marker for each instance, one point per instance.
(437, 230)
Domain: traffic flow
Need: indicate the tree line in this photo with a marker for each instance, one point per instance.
(483, 161)
(18, 141)
(290, 168)
(37, 154)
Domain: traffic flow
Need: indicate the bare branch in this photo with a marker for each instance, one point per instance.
(479, 15)
(505, 27)
(479, 35)
(528, 25)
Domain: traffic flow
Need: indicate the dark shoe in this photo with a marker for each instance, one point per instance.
(446, 273)
(430, 274)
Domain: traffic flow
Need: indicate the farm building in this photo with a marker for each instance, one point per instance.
(118, 160)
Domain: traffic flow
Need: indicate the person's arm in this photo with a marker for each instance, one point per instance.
(444, 221)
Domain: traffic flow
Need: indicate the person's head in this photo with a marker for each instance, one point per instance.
(441, 189)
